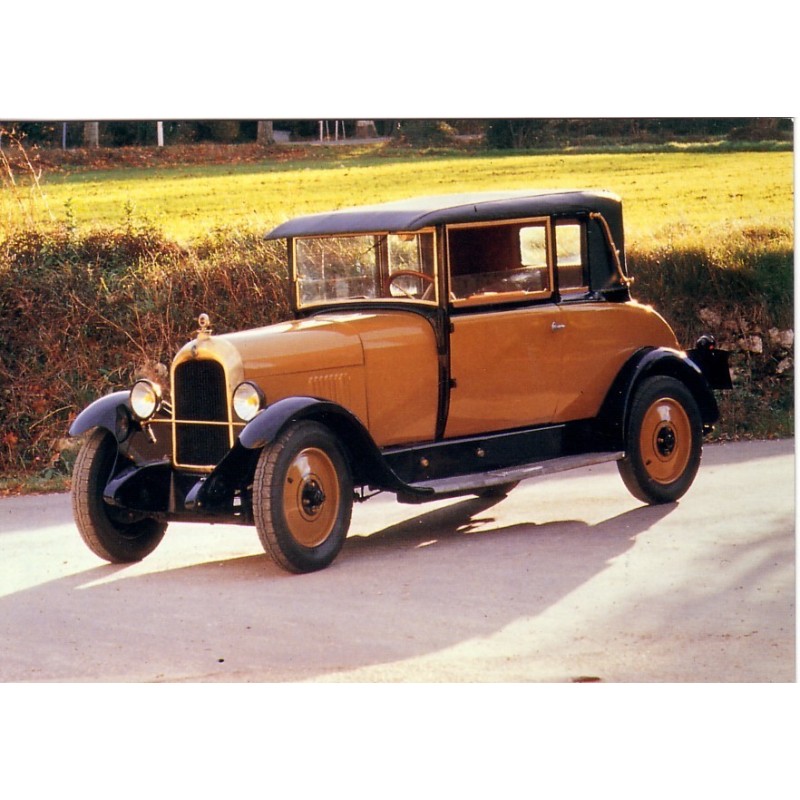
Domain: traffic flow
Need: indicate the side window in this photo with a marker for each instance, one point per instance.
(335, 268)
(571, 256)
(365, 267)
(498, 262)
(533, 247)
(410, 266)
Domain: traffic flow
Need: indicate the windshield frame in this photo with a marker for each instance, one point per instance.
(382, 266)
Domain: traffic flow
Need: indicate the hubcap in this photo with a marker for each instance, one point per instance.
(311, 497)
(666, 440)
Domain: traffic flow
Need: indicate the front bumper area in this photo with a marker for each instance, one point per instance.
(160, 490)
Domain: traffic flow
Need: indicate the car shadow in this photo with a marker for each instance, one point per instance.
(412, 588)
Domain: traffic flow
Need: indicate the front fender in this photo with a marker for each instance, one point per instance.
(111, 412)
(264, 429)
(366, 460)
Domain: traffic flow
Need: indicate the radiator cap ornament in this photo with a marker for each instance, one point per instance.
(204, 330)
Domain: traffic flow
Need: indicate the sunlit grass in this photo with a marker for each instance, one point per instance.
(659, 189)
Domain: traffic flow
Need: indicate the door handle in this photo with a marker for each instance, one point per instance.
(558, 326)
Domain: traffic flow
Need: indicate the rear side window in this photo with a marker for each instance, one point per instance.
(499, 262)
(571, 261)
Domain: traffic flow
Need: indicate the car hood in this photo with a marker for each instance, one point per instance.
(320, 343)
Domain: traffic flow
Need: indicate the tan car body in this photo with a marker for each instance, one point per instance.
(511, 369)
(440, 347)
(383, 368)
(537, 365)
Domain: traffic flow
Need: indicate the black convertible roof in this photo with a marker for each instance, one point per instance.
(423, 212)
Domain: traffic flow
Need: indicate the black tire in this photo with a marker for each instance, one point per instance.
(113, 534)
(303, 498)
(663, 441)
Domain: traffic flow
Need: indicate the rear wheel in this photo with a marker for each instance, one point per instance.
(303, 498)
(114, 534)
(663, 441)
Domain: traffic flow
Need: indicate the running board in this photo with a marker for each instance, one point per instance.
(476, 482)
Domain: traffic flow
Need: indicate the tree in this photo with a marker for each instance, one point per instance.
(265, 134)
(517, 133)
(91, 134)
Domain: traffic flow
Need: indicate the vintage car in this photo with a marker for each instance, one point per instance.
(440, 346)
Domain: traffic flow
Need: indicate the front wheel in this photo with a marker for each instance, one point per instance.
(114, 534)
(663, 441)
(303, 498)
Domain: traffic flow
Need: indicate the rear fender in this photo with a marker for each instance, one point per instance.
(647, 363)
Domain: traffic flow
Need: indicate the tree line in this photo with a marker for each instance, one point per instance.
(512, 133)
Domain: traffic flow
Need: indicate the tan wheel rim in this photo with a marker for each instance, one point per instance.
(666, 440)
(311, 497)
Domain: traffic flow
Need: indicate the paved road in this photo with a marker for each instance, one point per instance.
(568, 578)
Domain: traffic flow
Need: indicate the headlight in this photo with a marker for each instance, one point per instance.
(248, 400)
(145, 399)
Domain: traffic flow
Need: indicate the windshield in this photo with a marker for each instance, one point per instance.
(399, 266)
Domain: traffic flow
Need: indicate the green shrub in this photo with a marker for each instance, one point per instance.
(82, 314)
(737, 283)
(745, 273)
(424, 132)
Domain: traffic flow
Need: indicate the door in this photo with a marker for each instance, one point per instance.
(505, 368)
(505, 343)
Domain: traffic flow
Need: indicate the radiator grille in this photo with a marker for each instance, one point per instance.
(200, 398)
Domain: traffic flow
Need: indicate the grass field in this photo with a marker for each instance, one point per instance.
(660, 190)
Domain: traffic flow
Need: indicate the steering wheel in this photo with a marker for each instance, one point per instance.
(408, 273)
